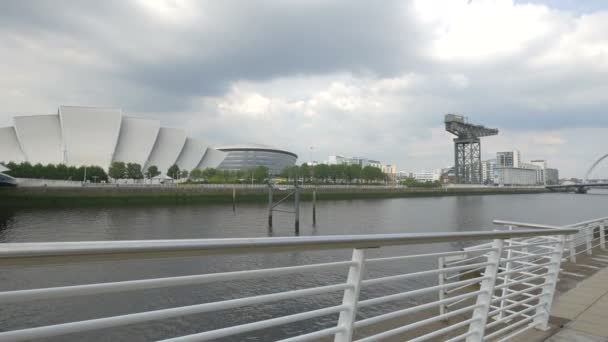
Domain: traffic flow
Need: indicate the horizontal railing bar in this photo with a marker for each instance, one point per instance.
(414, 309)
(525, 224)
(510, 306)
(56, 252)
(541, 244)
(463, 273)
(521, 303)
(417, 324)
(314, 336)
(511, 326)
(588, 222)
(456, 302)
(243, 328)
(524, 269)
(443, 331)
(402, 295)
(421, 273)
(415, 256)
(498, 287)
(512, 316)
(88, 289)
(526, 257)
(114, 321)
(456, 262)
(516, 293)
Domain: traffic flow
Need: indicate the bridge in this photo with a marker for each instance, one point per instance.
(580, 188)
(583, 187)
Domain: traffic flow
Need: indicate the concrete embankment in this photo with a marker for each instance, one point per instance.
(144, 195)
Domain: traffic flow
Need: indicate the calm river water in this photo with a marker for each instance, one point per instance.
(407, 215)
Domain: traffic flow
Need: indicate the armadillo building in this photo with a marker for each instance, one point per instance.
(77, 136)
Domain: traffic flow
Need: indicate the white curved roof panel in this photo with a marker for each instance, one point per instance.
(212, 159)
(136, 140)
(10, 149)
(192, 154)
(40, 138)
(167, 148)
(89, 134)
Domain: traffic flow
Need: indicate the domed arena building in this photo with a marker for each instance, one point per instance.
(78, 136)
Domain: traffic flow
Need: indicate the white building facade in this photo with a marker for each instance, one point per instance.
(514, 176)
(95, 136)
(427, 175)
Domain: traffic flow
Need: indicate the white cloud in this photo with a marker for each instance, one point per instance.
(351, 79)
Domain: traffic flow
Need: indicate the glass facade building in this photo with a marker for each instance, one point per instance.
(252, 156)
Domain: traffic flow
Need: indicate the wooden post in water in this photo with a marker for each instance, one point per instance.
(314, 206)
(269, 205)
(297, 209)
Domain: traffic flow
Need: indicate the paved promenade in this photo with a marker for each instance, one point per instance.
(586, 308)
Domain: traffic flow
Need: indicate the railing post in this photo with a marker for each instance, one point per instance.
(588, 237)
(572, 247)
(548, 290)
(508, 265)
(269, 205)
(603, 235)
(441, 281)
(351, 297)
(484, 299)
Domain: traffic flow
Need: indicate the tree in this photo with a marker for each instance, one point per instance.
(118, 170)
(322, 171)
(134, 171)
(209, 172)
(96, 174)
(260, 173)
(152, 172)
(184, 174)
(304, 171)
(196, 174)
(173, 171)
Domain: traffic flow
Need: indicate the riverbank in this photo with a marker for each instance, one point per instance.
(120, 196)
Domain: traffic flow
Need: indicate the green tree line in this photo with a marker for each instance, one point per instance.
(413, 183)
(56, 172)
(258, 175)
(338, 173)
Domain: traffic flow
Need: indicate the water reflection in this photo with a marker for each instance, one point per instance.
(411, 215)
(7, 217)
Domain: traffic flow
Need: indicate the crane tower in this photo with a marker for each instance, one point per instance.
(467, 147)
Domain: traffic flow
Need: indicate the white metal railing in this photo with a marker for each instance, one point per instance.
(527, 267)
(590, 234)
(476, 284)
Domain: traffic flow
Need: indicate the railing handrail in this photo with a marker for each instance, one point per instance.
(587, 222)
(53, 252)
(546, 226)
(525, 224)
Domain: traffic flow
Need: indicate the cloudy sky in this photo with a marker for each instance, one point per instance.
(324, 77)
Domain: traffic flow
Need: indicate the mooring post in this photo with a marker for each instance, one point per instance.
(297, 208)
(314, 206)
(233, 198)
(269, 205)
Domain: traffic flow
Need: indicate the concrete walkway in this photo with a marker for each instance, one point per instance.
(586, 307)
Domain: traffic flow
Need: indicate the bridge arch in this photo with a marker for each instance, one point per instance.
(593, 167)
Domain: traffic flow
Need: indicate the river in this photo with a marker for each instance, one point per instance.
(405, 215)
